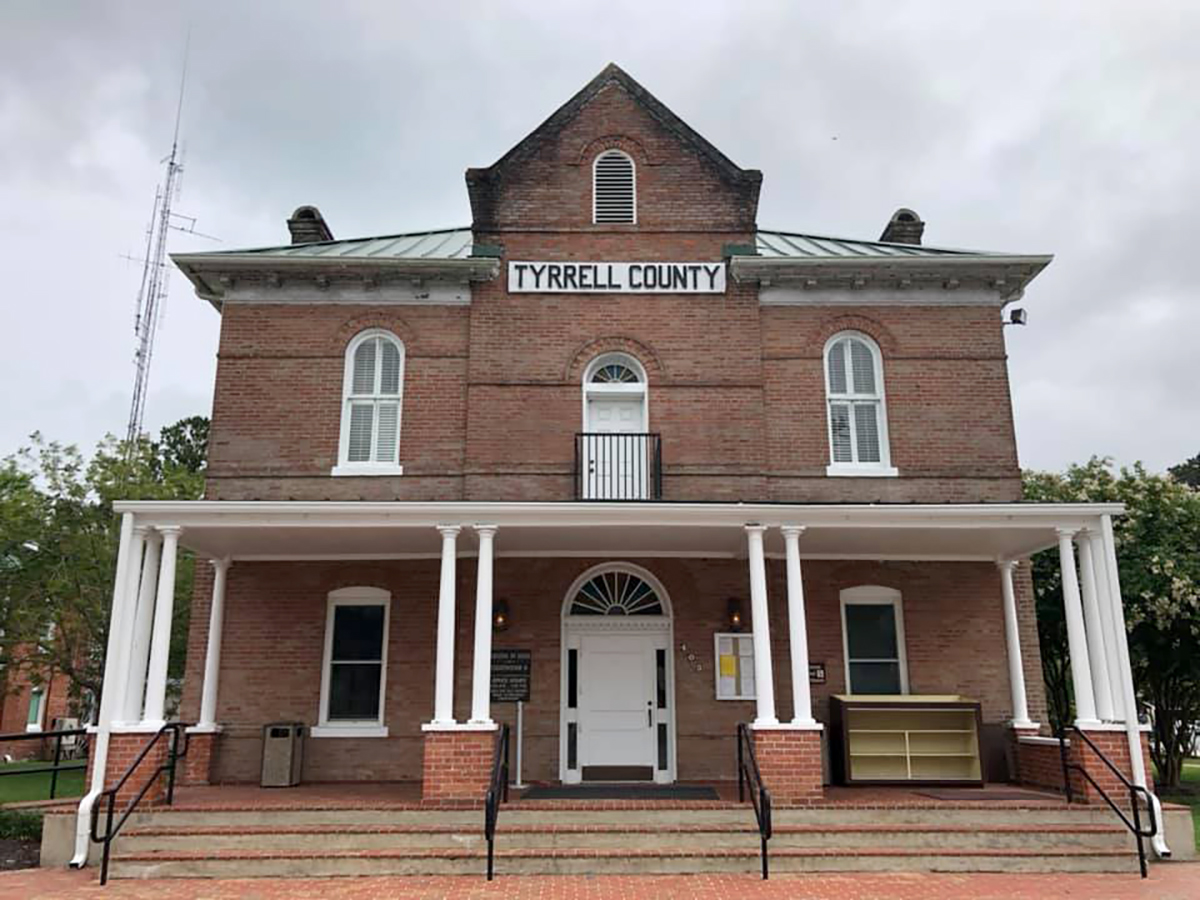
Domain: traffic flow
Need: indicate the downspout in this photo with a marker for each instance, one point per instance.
(108, 697)
(1132, 729)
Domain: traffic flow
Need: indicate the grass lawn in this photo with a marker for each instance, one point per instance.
(1189, 793)
(36, 786)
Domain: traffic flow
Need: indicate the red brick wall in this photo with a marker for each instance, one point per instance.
(457, 765)
(1040, 764)
(790, 764)
(18, 685)
(123, 749)
(953, 622)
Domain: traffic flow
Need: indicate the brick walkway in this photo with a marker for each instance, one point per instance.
(1178, 881)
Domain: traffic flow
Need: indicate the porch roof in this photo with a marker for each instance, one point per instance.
(292, 530)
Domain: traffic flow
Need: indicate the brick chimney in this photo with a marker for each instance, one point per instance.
(904, 227)
(308, 227)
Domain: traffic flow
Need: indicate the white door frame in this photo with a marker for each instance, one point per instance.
(574, 627)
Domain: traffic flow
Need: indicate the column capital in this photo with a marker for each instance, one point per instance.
(170, 530)
(1064, 532)
(488, 530)
(1009, 564)
(754, 528)
(222, 563)
(141, 531)
(792, 530)
(449, 531)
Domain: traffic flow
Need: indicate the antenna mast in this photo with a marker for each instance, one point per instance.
(152, 294)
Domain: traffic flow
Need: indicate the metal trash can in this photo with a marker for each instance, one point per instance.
(283, 753)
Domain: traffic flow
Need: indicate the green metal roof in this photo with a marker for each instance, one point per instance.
(789, 245)
(449, 243)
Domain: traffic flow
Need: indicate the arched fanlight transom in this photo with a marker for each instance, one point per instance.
(616, 593)
(615, 373)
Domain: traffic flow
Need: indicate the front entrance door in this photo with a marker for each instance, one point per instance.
(617, 451)
(617, 706)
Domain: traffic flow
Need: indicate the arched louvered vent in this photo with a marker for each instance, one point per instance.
(614, 198)
(616, 593)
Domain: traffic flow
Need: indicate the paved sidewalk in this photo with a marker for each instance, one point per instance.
(1178, 881)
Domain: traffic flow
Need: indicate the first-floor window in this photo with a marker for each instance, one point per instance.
(34, 720)
(873, 640)
(355, 669)
(735, 667)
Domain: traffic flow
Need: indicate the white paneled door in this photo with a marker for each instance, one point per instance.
(617, 456)
(618, 704)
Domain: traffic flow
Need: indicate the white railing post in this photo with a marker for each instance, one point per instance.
(797, 629)
(443, 690)
(160, 645)
(212, 656)
(481, 684)
(1012, 640)
(1097, 652)
(1081, 673)
(764, 684)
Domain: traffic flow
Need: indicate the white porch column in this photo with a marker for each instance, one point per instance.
(1097, 652)
(1012, 640)
(481, 679)
(122, 677)
(797, 629)
(120, 624)
(160, 645)
(1112, 635)
(212, 656)
(443, 690)
(1081, 674)
(764, 684)
(139, 654)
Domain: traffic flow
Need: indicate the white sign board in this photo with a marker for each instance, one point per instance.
(616, 277)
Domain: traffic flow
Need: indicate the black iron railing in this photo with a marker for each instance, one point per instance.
(176, 751)
(618, 466)
(77, 740)
(497, 793)
(1135, 791)
(760, 797)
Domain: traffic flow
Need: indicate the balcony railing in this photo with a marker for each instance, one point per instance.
(618, 466)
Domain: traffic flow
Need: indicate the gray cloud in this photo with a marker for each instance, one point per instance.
(1067, 128)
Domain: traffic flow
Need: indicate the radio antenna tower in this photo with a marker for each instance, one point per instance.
(152, 294)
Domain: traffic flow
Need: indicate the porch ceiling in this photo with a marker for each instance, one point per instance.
(338, 530)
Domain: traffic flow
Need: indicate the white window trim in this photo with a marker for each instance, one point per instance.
(717, 665)
(883, 468)
(633, 170)
(344, 466)
(42, 694)
(874, 595)
(353, 596)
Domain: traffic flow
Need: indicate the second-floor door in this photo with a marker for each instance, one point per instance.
(617, 459)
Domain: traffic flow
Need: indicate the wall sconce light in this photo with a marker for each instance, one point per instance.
(734, 613)
(500, 618)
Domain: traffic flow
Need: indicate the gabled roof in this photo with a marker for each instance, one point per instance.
(791, 245)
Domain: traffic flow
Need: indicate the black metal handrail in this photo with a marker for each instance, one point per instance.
(178, 732)
(760, 797)
(618, 466)
(1134, 791)
(58, 749)
(497, 793)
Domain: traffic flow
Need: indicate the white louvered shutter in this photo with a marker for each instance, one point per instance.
(862, 365)
(389, 431)
(866, 432)
(613, 195)
(373, 402)
(839, 431)
(361, 424)
(389, 371)
(837, 368)
(364, 368)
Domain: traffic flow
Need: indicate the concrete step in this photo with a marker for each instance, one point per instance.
(238, 864)
(319, 839)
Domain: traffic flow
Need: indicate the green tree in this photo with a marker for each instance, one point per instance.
(65, 535)
(1187, 472)
(1158, 555)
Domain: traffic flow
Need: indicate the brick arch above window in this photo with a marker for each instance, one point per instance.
(387, 321)
(878, 332)
(643, 353)
(632, 147)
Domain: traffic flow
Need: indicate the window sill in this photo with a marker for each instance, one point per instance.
(361, 469)
(850, 471)
(348, 731)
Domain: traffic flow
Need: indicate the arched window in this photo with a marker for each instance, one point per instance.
(858, 442)
(616, 450)
(371, 402)
(614, 189)
(616, 592)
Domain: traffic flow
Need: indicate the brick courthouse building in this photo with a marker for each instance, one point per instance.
(703, 472)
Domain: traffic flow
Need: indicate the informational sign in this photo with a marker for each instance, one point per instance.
(511, 675)
(816, 673)
(616, 277)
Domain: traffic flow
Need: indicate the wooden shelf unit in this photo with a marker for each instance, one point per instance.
(905, 739)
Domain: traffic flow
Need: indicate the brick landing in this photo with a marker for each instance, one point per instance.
(1167, 881)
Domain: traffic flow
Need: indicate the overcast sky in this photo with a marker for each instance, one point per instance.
(1064, 128)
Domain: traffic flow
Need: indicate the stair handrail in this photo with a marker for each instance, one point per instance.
(179, 735)
(1134, 791)
(497, 793)
(760, 797)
